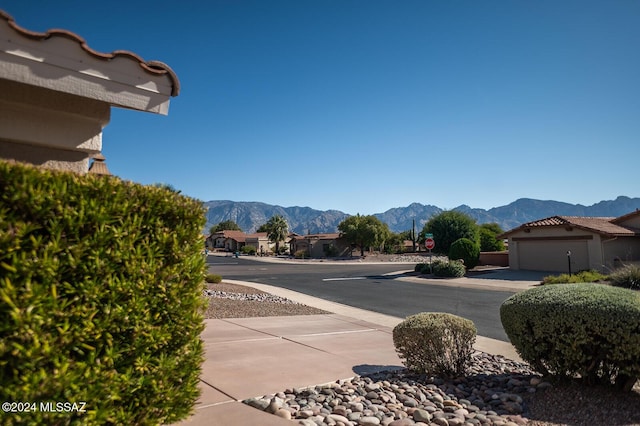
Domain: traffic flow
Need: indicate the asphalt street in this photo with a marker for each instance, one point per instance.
(367, 286)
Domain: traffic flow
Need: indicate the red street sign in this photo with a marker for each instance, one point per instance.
(429, 243)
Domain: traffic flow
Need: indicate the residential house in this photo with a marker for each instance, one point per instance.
(560, 243)
(260, 242)
(56, 95)
(226, 240)
(235, 240)
(320, 245)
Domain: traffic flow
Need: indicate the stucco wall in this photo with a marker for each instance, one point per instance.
(72, 161)
(494, 258)
(49, 128)
(627, 249)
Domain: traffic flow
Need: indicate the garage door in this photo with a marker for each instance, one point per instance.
(552, 255)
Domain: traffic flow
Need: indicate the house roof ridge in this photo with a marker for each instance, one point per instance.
(153, 67)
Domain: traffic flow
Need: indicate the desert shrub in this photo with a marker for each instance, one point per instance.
(100, 297)
(627, 276)
(435, 343)
(448, 269)
(589, 276)
(213, 278)
(423, 268)
(301, 254)
(466, 250)
(590, 331)
(248, 250)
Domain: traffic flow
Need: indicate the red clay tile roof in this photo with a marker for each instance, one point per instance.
(600, 225)
(153, 67)
(235, 235)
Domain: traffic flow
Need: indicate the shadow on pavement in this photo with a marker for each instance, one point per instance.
(510, 275)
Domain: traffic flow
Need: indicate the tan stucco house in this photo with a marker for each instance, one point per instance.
(226, 240)
(235, 240)
(320, 245)
(551, 244)
(56, 95)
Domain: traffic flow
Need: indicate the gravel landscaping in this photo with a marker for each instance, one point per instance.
(238, 301)
(496, 391)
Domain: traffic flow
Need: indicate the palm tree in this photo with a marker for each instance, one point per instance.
(277, 230)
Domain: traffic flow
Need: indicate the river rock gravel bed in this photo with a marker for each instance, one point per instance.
(495, 392)
(492, 393)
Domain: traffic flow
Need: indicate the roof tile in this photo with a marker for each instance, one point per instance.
(600, 225)
(153, 67)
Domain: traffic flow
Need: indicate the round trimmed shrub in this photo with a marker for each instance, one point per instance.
(466, 250)
(588, 331)
(435, 343)
(450, 269)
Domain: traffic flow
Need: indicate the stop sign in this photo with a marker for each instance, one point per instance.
(429, 243)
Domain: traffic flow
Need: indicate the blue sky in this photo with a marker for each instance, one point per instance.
(362, 106)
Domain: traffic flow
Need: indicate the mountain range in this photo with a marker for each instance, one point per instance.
(303, 220)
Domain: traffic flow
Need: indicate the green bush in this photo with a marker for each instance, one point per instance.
(448, 269)
(627, 276)
(435, 343)
(466, 250)
(590, 276)
(213, 278)
(100, 297)
(590, 331)
(421, 267)
(248, 250)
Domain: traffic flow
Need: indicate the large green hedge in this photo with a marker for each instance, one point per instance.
(590, 331)
(100, 298)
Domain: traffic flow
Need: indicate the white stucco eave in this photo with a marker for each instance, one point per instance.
(66, 68)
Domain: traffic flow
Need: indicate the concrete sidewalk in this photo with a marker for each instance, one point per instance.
(249, 357)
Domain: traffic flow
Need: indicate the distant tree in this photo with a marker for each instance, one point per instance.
(395, 242)
(227, 225)
(448, 227)
(406, 235)
(277, 230)
(263, 228)
(488, 237)
(364, 231)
